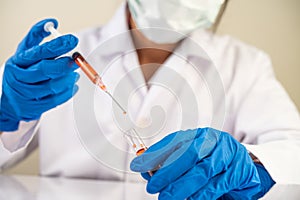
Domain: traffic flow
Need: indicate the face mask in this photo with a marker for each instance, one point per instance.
(169, 21)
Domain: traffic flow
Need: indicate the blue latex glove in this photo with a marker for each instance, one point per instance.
(34, 81)
(201, 164)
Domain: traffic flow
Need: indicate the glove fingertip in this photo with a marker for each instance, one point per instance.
(57, 47)
(8, 124)
(71, 40)
(74, 65)
(138, 164)
(151, 188)
(53, 20)
(75, 90)
(41, 25)
(77, 77)
(35, 35)
(146, 176)
(135, 166)
(66, 61)
(165, 195)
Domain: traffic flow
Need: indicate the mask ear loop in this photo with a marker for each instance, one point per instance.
(219, 17)
(135, 13)
(134, 8)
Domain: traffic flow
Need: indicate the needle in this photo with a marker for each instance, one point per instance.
(118, 104)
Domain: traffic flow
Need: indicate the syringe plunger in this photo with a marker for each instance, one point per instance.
(49, 27)
(83, 64)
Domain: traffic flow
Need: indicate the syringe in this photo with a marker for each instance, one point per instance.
(84, 65)
(138, 145)
(132, 137)
(135, 141)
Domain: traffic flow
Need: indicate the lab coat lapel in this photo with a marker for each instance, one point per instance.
(116, 60)
(179, 74)
(182, 87)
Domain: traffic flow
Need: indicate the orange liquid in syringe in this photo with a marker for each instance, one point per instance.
(140, 151)
(88, 70)
(93, 75)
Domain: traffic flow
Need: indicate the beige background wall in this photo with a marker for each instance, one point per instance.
(271, 25)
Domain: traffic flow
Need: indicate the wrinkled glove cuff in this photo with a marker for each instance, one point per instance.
(266, 180)
(7, 124)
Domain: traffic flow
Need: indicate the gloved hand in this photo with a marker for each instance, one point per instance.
(34, 81)
(201, 164)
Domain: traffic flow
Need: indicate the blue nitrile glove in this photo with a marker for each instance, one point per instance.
(201, 164)
(33, 80)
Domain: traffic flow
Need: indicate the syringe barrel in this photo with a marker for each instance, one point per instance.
(88, 70)
(138, 145)
(86, 67)
(135, 141)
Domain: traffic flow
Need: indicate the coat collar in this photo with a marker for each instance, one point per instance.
(177, 72)
(118, 28)
(119, 44)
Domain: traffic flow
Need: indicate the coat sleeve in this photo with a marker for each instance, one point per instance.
(270, 122)
(16, 145)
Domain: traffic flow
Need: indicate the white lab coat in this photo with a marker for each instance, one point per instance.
(232, 88)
